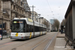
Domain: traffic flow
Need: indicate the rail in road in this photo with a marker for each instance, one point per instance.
(49, 43)
(33, 40)
(31, 44)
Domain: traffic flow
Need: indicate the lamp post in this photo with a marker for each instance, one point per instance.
(33, 20)
(39, 21)
(39, 18)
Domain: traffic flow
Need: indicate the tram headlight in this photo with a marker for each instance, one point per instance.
(21, 37)
(11, 37)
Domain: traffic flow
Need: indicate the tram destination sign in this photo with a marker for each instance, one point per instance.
(30, 20)
(18, 22)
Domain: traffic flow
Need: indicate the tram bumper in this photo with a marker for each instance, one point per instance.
(13, 37)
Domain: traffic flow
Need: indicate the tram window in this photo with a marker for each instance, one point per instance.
(26, 28)
(36, 29)
(29, 28)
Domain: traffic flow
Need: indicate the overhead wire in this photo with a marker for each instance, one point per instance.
(49, 7)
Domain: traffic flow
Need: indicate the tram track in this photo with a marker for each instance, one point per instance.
(30, 44)
(7, 42)
(30, 41)
(3, 44)
(48, 44)
(33, 40)
(38, 44)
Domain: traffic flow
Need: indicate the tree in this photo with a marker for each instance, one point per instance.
(46, 23)
(56, 24)
(63, 22)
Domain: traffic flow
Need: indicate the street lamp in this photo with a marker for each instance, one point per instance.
(39, 18)
(42, 20)
(33, 20)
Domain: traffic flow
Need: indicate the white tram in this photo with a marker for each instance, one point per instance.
(23, 28)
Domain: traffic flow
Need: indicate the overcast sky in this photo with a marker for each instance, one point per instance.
(50, 9)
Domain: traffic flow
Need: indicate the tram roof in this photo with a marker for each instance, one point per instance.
(30, 22)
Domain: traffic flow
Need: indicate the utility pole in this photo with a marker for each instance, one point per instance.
(33, 20)
(39, 18)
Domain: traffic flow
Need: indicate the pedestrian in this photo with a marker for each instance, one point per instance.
(0, 36)
(1, 33)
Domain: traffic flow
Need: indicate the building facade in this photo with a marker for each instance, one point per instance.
(45, 22)
(52, 24)
(70, 22)
(35, 16)
(14, 9)
(52, 21)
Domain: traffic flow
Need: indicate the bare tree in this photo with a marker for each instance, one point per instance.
(46, 23)
(56, 23)
(63, 22)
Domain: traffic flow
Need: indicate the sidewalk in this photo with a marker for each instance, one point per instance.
(5, 37)
(60, 43)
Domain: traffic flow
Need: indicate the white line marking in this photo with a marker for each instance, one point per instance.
(47, 46)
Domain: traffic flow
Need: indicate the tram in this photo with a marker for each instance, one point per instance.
(24, 28)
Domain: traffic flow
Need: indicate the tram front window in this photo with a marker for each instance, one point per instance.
(17, 26)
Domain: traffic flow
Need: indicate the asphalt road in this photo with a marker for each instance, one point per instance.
(45, 42)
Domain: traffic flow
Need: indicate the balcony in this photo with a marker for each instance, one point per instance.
(21, 15)
(14, 11)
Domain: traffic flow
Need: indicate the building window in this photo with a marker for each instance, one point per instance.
(16, 0)
(21, 3)
(14, 7)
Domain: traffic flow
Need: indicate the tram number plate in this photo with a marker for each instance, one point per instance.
(16, 34)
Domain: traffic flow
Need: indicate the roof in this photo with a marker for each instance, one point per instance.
(30, 22)
(69, 7)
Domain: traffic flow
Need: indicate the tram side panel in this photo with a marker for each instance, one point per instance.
(15, 35)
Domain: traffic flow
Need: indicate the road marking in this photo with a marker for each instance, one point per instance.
(23, 43)
(8, 43)
(68, 47)
(40, 43)
(2, 45)
(5, 43)
(47, 46)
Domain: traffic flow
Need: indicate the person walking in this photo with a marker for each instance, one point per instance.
(0, 33)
